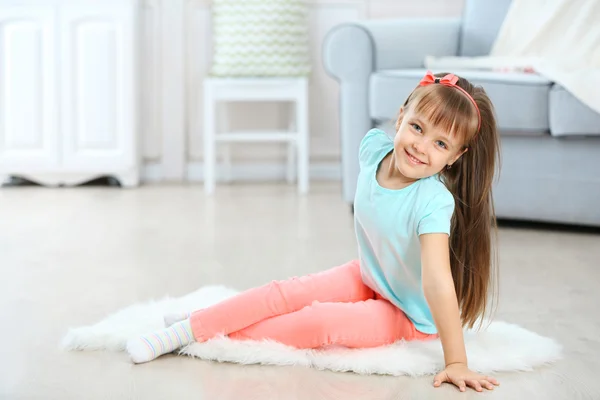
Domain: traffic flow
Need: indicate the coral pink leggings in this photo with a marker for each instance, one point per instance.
(330, 307)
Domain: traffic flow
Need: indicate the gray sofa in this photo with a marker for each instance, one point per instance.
(550, 141)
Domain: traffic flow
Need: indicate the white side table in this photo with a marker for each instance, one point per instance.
(258, 89)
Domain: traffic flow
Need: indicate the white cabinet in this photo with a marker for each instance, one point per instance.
(28, 89)
(68, 90)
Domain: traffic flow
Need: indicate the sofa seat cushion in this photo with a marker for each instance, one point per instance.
(570, 117)
(521, 100)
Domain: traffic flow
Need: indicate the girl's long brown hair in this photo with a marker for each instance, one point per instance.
(473, 256)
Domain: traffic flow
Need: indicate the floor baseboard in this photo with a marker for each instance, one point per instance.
(152, 172)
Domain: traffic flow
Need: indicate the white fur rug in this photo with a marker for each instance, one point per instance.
(501, 347)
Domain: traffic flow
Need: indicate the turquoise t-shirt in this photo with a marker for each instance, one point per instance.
(388, 224)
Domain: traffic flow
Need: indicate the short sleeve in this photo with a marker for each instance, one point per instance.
(371, 146)
(437, 217)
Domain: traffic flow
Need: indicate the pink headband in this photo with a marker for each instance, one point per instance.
(449, 80)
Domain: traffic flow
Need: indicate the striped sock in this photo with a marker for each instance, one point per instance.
(148, 347)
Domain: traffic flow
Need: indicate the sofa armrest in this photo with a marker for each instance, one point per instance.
(353, 51)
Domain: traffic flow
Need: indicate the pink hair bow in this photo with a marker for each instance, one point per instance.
(448, 80)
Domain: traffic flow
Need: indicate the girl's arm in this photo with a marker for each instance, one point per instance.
(438, 287)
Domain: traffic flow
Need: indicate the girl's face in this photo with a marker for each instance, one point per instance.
(421, 149)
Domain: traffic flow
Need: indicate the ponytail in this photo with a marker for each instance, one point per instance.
(473, 254)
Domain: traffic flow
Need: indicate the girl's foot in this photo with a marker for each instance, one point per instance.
(148, 347)
(170, 319)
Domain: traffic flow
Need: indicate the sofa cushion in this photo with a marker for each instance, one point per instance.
(520, 100)
(569, 116)
(481, 22)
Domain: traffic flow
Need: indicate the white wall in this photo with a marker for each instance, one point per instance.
(176, 56)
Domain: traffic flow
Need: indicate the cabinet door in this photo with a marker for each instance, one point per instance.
(28, 97)
(98, 89)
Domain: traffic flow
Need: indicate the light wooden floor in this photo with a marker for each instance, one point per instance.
(68, 257)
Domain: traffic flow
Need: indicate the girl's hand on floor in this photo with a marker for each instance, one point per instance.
(461, 376)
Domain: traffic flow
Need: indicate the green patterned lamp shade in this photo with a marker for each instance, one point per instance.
(260, 38)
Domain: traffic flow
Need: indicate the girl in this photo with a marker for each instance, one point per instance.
(423, 220)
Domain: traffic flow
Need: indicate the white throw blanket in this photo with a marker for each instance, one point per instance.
(501, 347)
(559, 39)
